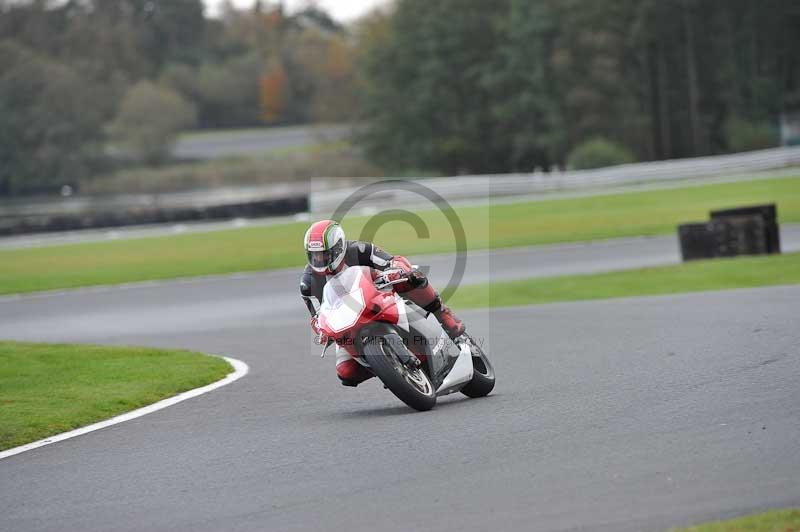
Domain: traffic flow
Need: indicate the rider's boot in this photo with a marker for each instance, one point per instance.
(426, 297)
(350, 372)
(453, 326)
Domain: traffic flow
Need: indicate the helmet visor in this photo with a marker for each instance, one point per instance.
(324, 259)
(320, 259)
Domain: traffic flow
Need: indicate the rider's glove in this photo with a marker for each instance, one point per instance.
(404, 268)
(401, 263)
(393, 275)
(416, 279)
(315, 325)
(320, 337)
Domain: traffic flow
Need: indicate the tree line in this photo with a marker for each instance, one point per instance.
(445, 86)
(511, 85)
(85, 84)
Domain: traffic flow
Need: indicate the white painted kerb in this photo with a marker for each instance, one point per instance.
(240, 369)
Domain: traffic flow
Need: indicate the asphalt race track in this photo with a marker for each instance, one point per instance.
(628, 414)
(215, 145)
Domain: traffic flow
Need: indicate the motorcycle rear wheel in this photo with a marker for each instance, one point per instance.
(482, 382)
(411, 385)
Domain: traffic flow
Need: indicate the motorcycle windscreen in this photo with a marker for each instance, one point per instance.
(343, 300)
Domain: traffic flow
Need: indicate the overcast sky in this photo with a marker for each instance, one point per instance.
(341, 10)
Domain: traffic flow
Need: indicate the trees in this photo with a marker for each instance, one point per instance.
(265, 67)
(594, 72)
(707, 65)
(428, 100)
(449, 86)
(177, 31)
(597, 153)
(524, 87)
(531, 79)
(274, 94)
(227, 93)
(494, 87)
(49, 126)
(320, 76)
(149, 120)
(136, 65)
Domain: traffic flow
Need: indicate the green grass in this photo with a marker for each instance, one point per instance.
(48, 389)
(491, 226)
(636, 213)
(718, 274)
(774, 521)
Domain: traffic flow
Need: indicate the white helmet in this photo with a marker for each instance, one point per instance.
(325, 246)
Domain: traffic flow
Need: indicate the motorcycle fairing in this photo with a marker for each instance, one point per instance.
(351, 301)
(343, 301)
(460, 373)
(425, 337)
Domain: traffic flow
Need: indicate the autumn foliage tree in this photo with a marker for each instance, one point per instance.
(336, 97)
(274, 94)
(77, 74)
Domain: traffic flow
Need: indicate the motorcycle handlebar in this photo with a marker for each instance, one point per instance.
(382, 282)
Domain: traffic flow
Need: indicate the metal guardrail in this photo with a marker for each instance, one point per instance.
(505, 185)
(31, 215)
(92, 212)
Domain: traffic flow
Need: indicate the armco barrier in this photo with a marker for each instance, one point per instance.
(505, 185)
(247, 202)
(98, 212)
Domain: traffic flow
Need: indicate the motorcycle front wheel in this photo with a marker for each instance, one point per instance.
(410, 384)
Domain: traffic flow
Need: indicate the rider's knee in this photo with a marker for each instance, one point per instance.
(433, 306)
(351, 373)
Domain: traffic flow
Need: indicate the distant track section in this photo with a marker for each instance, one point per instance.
(474, 187)
(250, 142)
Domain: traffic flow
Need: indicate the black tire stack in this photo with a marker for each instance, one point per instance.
(731, 232)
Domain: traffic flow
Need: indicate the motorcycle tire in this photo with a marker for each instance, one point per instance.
(410, 385)
(482, 382)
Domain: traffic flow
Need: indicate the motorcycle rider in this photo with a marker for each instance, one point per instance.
(329, 252)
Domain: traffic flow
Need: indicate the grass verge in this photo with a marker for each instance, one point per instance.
(490, 226)
(718, 274)
(774, 521)
(46, 389)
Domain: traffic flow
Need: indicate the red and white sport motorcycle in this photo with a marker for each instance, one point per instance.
(398, 342)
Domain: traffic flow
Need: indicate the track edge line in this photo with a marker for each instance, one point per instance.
(240, 369)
